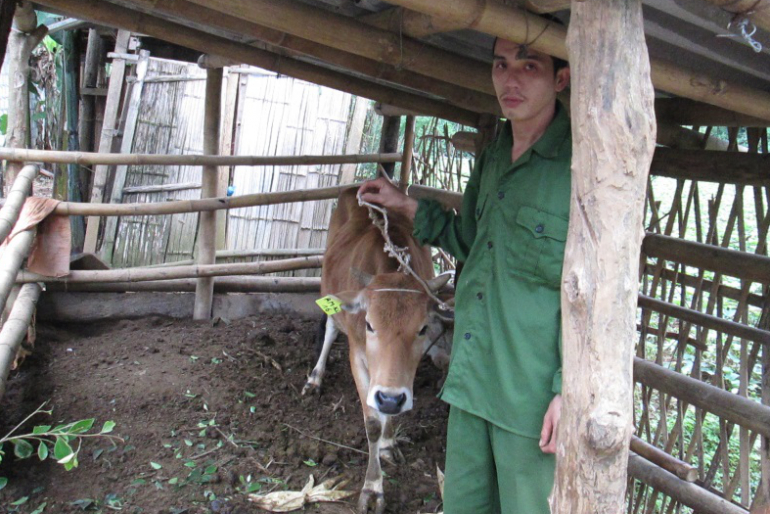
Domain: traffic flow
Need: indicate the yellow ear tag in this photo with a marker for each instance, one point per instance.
(330, 304)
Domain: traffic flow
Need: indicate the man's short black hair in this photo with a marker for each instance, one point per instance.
(557, 63)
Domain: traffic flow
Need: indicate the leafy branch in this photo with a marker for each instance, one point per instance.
(53, 441)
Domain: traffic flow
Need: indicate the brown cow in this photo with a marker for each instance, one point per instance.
(387, 317)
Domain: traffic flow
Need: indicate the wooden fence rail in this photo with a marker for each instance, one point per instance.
(738, 409)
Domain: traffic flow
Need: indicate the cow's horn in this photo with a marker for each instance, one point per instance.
(363, 277)
(438, 282)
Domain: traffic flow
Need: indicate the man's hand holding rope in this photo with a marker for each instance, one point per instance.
(383, 193)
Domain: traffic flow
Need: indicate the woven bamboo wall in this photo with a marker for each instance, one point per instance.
(284, 116)
(275, 116)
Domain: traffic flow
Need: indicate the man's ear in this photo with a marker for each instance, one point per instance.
(562, 79)
(351, 301)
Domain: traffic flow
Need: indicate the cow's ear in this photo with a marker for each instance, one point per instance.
(351, 301)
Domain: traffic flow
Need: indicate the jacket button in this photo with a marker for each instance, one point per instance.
(500, 195)
(480, 295)
(539, 229)
(490, 244)
(467, 335)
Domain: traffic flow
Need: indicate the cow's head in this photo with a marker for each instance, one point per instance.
(396, 316)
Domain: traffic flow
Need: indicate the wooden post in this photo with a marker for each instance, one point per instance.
(132, 118)
(207, 222)
(108, 136)
(613, 141)
(75, 186)
(391, 126)
(406, 161)
(21, 42)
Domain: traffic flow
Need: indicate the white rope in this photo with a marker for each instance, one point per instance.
(401, 254)
(747, 30)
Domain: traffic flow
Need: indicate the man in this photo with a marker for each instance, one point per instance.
(504, 381)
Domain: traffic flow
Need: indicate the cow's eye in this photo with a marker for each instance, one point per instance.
(424, 330)
(369, 327)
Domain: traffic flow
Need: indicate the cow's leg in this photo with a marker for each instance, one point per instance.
(372, 492)
(313, 383)
(389, 451)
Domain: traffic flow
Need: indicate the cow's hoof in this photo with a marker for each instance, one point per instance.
(371, 502)
(312, 386)
(392, 455)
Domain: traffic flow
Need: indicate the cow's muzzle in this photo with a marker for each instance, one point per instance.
(391, 402)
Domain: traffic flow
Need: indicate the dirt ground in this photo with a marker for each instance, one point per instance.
(206, 410)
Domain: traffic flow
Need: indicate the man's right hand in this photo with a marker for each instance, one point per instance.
(381, 192)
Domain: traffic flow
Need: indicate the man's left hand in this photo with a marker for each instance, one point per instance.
(550, 422)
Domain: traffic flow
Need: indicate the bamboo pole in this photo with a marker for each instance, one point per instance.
(207, 221)
(242, 254)
(326, 28)
(133, 107)
(731, 407)
(665, 460)
(113, 15)
(508, 22)
(411, 23)
(613, 145)
(696, 497)
(15, 329)
(454, 94)
(11, 260)
(747, 266)
(757, 11)
(448, 198)
(391, 126)
(127, 159)
(108, 136)
(231, 284)
(20, 190)
(683, 111)
(406, 162)
(173, 272)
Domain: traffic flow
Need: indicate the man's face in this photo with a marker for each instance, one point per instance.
(525, 85)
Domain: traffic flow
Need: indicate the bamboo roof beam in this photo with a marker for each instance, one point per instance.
(413, 24)
(547, 6)
(683, 111)
(254, 32)
(758, 11)
(353, 36)
(120, 17)
(514, 24)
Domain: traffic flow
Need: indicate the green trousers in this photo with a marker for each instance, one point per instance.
(492, 471)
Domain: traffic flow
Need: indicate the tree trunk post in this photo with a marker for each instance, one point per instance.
(613, 127)
(21, 42)
(207, 224)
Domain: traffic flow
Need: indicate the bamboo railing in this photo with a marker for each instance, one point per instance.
(15, 327)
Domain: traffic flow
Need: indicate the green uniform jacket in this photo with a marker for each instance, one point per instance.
(510, 232)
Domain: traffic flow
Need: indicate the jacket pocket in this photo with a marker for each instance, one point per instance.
(539, 246)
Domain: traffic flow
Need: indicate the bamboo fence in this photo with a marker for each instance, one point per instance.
(704, 321)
